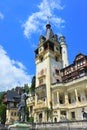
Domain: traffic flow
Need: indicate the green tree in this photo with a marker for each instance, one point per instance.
(26, 87)
(49, 111)
(2, 109)
(1, 97)
(3, 113)
(33, 84)
(27, 113)
(31, 119)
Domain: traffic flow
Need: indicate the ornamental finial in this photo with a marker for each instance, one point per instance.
(48, 20)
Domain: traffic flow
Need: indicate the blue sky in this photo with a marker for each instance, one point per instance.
(21, 24)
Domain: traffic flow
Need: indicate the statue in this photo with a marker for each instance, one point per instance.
(22, 107)
(84, 114)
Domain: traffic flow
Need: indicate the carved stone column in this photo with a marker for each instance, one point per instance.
(43, 115)
(58, 115)
(76, 95)
(35, 117)
(66, 98)
(58, 97)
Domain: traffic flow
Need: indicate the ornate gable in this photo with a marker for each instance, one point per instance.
(79, 57)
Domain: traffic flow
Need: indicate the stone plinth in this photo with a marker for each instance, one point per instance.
(19, 126)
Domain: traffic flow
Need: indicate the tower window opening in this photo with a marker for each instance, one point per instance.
(57, 71)
(56, 58)
(14, 113)
(46, 46)
(57, 48)
(51, 47)
(41, 59)
(41, 81)
(57, 80)
(60, 50)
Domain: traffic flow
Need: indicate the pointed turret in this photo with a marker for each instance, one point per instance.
(64, 51)
(49, 32)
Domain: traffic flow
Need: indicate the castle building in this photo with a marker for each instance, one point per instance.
(61, 89)
(11, 99)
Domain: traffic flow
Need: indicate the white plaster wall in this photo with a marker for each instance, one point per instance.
(54, 65)
(64, 55)
(79, 115)
(39, 67)
(83, 97)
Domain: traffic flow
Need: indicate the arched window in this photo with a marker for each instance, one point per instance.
(55, 119)
(40, 117)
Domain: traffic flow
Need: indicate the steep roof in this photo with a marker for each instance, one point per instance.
(79, 56)
(11, 96)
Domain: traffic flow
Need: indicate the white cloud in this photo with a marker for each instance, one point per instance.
(36, 21)
(12, 73)
(1, 16)
(34, 45)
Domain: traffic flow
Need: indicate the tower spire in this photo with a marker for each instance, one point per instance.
(48, 20)
(49, 33)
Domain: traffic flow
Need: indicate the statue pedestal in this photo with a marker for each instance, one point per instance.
(18, 126)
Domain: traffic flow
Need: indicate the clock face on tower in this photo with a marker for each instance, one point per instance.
(40, 49)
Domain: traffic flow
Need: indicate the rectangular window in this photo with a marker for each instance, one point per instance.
(61, 99)
(73, 115)
(40, 81)
(14, 113)
(70, 100)
(11, 113)
(79, 98)
(63, 113)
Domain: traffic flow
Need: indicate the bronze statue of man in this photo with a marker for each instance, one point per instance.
(22, 107)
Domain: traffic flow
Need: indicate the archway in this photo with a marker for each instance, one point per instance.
(40, 117)
(55, 119)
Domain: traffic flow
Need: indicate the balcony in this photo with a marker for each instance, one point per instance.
(42, 73)
(40, 88)
(74, 75)
(40, 104)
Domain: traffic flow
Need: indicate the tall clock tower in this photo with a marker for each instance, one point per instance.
(48, 58)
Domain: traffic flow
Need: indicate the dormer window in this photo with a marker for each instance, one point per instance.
(41, 59)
